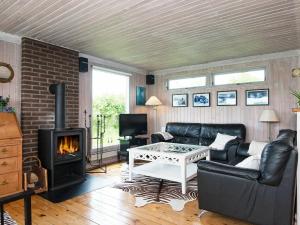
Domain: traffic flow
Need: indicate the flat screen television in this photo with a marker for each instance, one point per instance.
(132, 124)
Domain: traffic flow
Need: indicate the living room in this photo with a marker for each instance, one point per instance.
(110, 108)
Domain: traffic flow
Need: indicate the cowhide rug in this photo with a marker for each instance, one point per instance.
(8, 220)
(153, 190)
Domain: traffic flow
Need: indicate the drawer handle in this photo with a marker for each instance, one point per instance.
(4, 183)
(4, 164)
(4, 150)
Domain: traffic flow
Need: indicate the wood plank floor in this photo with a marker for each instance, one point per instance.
(110, 206)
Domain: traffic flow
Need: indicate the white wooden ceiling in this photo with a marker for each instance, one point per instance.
(158, 34)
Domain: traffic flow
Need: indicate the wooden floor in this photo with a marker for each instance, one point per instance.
(109, 206)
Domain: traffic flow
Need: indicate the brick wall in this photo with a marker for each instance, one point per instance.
(44, 64)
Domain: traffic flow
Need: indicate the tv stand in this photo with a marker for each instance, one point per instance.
(130, 142)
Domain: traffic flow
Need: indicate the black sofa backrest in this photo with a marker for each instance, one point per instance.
(287, 136)
(209, 132)
(275, 156)
(273, 162)
(185, 133)
(195, 133)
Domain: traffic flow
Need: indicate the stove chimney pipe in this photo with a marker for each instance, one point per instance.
(59, 91)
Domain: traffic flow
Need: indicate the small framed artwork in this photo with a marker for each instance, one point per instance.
(227, 98)
(201, 100)
(180, 100)
(140, 95)
(257, 97)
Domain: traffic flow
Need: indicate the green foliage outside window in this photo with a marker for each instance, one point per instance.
(111, 107)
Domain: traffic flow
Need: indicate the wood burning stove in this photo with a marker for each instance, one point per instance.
(62, 150)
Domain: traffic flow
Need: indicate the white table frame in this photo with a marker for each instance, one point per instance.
(174, 166)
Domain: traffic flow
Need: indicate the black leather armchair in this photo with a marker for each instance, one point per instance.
(264, 197)
(205, 134)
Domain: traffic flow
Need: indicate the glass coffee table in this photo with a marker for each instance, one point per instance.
(169, 161)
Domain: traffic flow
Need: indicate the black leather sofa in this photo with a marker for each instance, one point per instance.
(205, 134)
(264, 197)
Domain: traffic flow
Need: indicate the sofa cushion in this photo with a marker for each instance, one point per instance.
(252, 162)
(273, 162)
(165, 135)
(185, 133)
(256, 148)
(184, 129)
(185, 140)
(209, 132)
(221, 140)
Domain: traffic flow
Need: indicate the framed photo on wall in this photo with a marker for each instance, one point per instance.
(180, 100)
(140, 95)
(201, 100)
(257, 97)
(227, 98)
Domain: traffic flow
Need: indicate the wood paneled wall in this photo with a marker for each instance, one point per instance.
(279, 81)
(11, 53)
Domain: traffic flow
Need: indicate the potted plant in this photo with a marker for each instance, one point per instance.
(4, 107)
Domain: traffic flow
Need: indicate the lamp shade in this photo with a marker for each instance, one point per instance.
(268, 115)
(153, 101)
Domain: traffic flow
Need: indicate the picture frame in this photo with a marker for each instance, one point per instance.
(227, 98)
(201, 99)
(257, 97)
(140, 95)
(180, 100)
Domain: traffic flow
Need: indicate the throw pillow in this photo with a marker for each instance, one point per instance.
(256, 148)
(166, 135)
(252, 162)
(221, 140)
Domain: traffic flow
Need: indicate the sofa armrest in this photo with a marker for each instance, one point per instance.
(231, 147)
(155, 138)
(214, 167)
(228, 153)
(243, 149)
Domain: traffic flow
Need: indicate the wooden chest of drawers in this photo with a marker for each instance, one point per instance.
(10, 155)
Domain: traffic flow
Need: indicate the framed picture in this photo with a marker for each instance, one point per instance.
(227, 98)
(201, 99)
(257, 97)
(140, 95)
(180, 100)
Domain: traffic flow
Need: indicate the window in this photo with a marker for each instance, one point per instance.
(240, 77)
(187, 82)
(110, 98)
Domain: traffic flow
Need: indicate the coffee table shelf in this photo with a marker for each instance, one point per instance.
(166, 171)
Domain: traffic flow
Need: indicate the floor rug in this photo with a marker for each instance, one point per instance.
(8, 220)
(91, 183)
(152, 190)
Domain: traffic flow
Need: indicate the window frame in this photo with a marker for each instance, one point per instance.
(239, 71)
(112, 147)
(207, 81)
